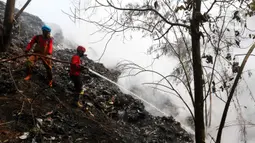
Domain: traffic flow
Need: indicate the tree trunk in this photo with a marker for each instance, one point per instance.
(22, 9)
(197, 69)
(225, 112)
(7, 25)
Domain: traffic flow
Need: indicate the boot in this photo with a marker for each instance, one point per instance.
(28, 77)
(29, 73)
(50, 83)
(79, 104)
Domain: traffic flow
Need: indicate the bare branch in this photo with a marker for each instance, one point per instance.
(214, 2)
(149, 9)
(164, 33)
(22, 9)
(224, 115)
(106, 46)
(165, 78)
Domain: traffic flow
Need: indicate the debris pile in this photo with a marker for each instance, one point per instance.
(32, 111)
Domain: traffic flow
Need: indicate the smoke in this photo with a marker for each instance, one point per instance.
(239, 127)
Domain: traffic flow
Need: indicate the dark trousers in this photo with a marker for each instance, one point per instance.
(77, 85)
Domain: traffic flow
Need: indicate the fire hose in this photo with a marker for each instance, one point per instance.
(90, 70)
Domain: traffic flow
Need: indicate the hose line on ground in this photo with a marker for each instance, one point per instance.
(90, 70)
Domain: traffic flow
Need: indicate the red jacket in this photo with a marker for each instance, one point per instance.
(75, 68)
(44, 46)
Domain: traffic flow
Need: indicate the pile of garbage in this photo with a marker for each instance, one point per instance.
(31, 111)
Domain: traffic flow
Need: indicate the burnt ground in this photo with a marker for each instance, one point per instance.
(48, 114)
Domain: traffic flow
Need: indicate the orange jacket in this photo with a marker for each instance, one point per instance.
(43, 46)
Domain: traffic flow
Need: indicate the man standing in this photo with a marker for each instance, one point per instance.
(75, 70)
(44, 46)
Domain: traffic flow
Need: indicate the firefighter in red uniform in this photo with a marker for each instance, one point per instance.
(75, 70)
(44, 46)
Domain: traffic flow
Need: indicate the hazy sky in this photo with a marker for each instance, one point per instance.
(50, 11)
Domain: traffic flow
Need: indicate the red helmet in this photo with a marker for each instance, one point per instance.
(81, 49)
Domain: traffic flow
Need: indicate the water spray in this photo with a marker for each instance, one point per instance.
(132, 93)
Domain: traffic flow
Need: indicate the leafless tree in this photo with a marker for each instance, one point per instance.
(9, 20)
(194, 30)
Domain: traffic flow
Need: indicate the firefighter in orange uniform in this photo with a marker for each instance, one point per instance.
(44, 46)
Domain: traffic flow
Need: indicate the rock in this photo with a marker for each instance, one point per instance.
(24, 136)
